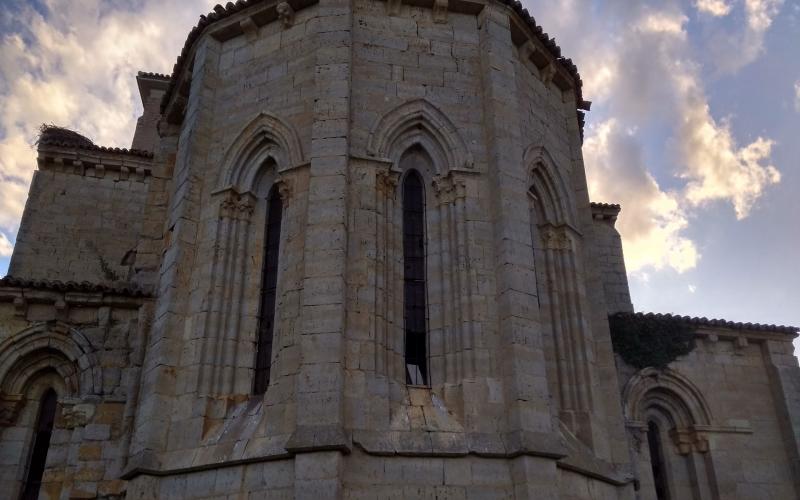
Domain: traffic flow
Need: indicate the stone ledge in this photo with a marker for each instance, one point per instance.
(453, 444)
(308, 439)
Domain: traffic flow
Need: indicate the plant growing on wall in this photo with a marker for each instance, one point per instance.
(650, 340)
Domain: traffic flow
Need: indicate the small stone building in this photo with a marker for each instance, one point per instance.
(352, 255)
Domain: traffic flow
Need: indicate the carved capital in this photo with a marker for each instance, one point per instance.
(688, 440)
(76, 415)
(285, 189)
(449, 187)
(228, 205)
(285, 14)
(556, 237)
(386, 182)
(10, 406)
(236, 205)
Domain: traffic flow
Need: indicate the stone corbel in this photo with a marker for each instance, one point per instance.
(740, 344)
(285, 14)
(20, 307)
(393, 7)
(548, 72)
(62, 309)
(440, 11)
(528, 49)
(250, 29)
(10, 406)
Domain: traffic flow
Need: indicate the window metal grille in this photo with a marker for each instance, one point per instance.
(269, 282)
(416, 342)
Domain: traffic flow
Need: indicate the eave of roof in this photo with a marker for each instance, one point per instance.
(122, 151)
(219, 13)
(716, 323)
(609, 206)
(128, 290)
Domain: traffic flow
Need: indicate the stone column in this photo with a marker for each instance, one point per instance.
(529, 418)
(320, 381)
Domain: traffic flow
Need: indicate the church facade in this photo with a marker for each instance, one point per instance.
(351, 255)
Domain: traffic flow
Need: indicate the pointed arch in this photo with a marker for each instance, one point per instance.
(419, 122)
(265, 138)
(49, 347)
(669, 391)
(548, 183)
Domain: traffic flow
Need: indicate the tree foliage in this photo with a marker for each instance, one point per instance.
(650, 340)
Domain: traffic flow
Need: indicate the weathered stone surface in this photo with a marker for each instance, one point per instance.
(328, 106)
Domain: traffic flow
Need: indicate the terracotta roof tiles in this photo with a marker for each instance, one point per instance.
(130, 290)
(719, 323)
(219, 12)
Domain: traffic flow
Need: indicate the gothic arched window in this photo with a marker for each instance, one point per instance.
(657, 461)
(416, 342)
(41, 442)
(269, 283)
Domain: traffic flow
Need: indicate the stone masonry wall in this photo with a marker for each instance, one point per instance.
(84, 346)
(747, 450)
(81, 224)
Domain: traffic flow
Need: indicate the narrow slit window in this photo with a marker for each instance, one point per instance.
(416, 342)
(269, 283)
(41, 443)
(657, 461)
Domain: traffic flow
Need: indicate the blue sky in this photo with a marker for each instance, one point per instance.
(695, 127)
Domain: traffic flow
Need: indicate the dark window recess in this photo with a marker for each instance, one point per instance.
(41, 442)
(657, 461)
(416, 342)
(269, 282)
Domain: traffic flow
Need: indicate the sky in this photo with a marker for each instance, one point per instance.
(694, 128)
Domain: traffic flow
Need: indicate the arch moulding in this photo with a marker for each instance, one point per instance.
(47, 346)
(419, 122)
(265, 137)
(550, 185)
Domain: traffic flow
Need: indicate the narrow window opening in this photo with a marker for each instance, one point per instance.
(269, 282)
(41, 443)
(416, 342)
(657, 461)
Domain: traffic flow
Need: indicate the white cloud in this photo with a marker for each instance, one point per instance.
(760, 13)
(652, 221)
(76, 67)
(5, 246)
(797, 96)
(717, 8)
(730, 51)
(648, 73)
